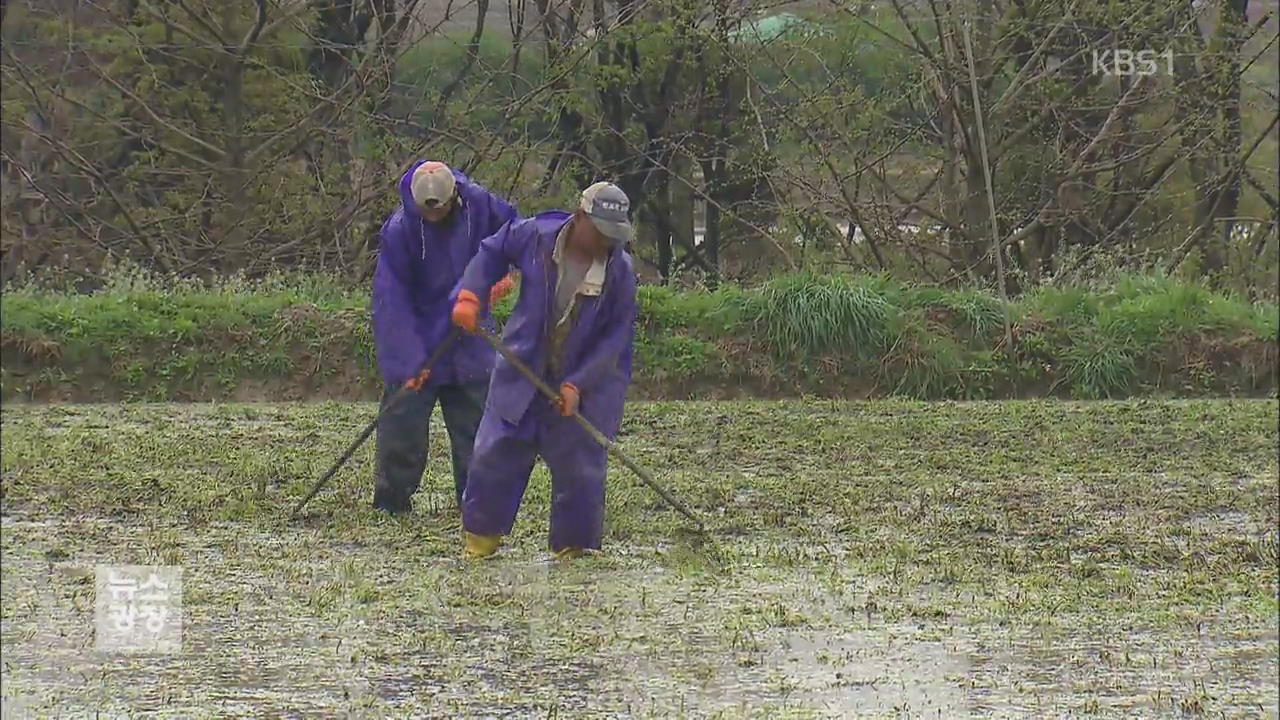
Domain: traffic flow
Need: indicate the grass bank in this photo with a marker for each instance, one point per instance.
(829, 336)
(865, 559)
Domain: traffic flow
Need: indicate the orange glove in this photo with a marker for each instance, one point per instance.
(500, 290)
(466, 312)
(568, 399)
(415, 383)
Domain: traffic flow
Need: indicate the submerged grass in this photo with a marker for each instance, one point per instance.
(832, 336)
(865, 558)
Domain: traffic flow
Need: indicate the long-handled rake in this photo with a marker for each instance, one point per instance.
(399, 397)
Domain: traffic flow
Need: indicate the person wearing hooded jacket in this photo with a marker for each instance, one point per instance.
(573, 324)
(424, 247)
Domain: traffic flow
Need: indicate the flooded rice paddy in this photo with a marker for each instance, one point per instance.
(883, 559)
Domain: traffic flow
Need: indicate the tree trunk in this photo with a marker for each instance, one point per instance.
(1231, 26)
(712, 170)
(234, 210)
(1212, 92)
(473, 54)
(977, 209)
(339, 32)
(682, 211)
(559, 35)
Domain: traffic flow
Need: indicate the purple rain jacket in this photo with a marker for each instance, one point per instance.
(419, 266)
(597, 352)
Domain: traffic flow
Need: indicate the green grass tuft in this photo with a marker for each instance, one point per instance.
(805, 315)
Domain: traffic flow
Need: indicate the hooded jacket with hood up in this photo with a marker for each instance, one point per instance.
(419, 266)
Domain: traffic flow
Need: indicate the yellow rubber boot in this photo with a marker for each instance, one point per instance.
(475, 546)
(569, 553)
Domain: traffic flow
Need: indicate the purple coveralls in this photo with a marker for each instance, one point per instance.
(519, 423)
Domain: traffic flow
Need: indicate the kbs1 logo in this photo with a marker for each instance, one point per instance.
(1132, 62)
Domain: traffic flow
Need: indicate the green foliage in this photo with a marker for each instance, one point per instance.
(141, 336)
(807, 315)
(979, 314)
(1266, 322)
(665, 309)
(849, 49)
(1147, 309)
(675, 357)
(146, 333)
(921, 362)
(301, 179)
(1108, 336)
(433, 62)
(1100, 366)
(198, 149)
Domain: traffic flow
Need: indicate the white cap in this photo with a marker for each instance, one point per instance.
(432, 184)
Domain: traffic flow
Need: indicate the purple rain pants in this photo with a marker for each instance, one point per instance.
(503, 459)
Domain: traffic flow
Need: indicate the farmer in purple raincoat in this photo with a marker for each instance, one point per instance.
(573, 324)
(423, 249)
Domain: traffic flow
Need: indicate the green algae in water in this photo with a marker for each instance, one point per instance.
(997, 559)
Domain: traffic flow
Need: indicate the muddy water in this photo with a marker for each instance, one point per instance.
(294, 626)
(877, 560)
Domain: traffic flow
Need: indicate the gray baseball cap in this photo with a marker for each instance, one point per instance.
(607, 206)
